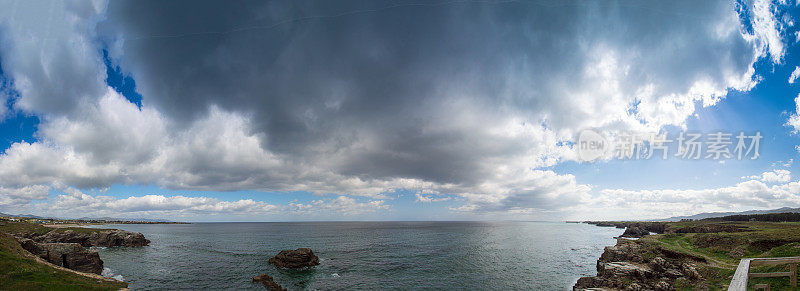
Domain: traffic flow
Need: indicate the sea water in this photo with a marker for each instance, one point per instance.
(363, 255)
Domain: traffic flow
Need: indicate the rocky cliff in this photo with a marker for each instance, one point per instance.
(68, 248)
(90, 238)
(639, 265)
(68, 255)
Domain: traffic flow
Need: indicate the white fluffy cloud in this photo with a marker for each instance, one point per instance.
(774, 176)
(627, 204)
(474, 124)
(794, 119)
(75, 204)
(23, 195)
(429, 198)
(795, 74)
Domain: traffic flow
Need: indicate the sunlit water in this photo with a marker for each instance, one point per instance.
(364, 255)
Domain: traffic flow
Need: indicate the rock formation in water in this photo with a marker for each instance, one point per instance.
(68, 255)
(268, 282)
(299, 258)
(626, 266)
(91, 238)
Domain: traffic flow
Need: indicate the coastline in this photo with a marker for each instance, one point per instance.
(36, 256)
(695, 255)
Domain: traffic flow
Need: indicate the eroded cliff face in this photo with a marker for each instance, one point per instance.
(639, 265)
(68, 255)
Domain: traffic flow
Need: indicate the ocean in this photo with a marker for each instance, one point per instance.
(363, 255)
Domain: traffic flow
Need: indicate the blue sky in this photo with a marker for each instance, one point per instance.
(373, 110)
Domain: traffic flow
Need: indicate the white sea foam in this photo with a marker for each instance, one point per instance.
(108, 273)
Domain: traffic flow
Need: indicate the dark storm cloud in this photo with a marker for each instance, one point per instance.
(383, 85)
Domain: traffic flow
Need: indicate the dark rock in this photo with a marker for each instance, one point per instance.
(101, 238)
(268, 282)
(652, 226)
(635, 231)
(299, 258)
(68, 255)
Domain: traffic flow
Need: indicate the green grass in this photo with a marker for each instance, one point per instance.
(778, 283)
(19, 272)
(20, 227)
(759, 239)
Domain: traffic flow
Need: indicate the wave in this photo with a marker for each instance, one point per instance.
(108, 273)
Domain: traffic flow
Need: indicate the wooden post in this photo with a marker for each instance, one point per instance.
(794, 274)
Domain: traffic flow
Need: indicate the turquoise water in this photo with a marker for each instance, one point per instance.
(364, 255)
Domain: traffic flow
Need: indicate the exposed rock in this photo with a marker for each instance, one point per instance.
(690, 271)
(68, 255)
(737, 252)
(627, 251)
(626, 266)
(635, 231)
(302, 257)
(268, 282)
(101, 238)
(658, 263)
(623, 269)
(663, 286)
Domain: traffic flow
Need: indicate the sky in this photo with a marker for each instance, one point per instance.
(393, 110)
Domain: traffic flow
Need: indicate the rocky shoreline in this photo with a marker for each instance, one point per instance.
(637, 265)
(69, 248)
(642, 265)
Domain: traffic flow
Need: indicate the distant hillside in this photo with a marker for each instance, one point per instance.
(722, 214)
(122, 219)
(88, 218)
(27, 216)
(771, 217)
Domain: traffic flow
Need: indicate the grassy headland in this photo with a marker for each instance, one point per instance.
(718, 244)
(741, 239)
(20, 270)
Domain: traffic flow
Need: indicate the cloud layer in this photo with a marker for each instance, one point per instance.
(360, 98)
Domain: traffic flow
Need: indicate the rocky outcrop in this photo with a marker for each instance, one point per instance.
(650, 226)
(299, 258)
(635, 231)
(268, 282)
(68, 255)
(91, 238)
(626, 266)
(68, 248)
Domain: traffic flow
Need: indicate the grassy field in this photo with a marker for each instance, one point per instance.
(724, 249)
(20, 272)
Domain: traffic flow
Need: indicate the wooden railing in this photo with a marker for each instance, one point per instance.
(739, 281)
